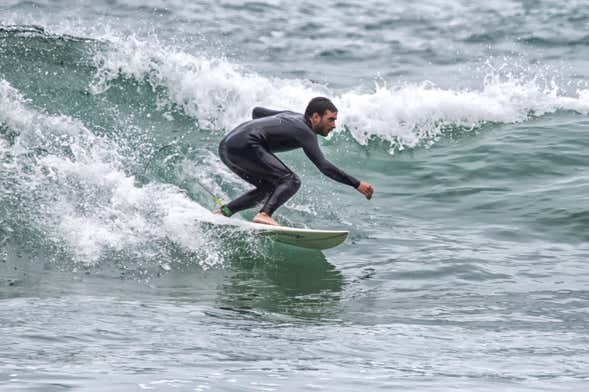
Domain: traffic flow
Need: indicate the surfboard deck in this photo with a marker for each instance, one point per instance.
(303, 238)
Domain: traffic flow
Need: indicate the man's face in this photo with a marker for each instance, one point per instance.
(323, 125)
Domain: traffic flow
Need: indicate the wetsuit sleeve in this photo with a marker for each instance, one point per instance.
(313, 152)
(260, 112)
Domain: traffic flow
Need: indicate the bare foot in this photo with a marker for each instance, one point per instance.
(265, 219)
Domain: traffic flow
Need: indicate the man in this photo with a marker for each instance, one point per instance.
(249, 149)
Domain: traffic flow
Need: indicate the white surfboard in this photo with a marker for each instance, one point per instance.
(304, 238)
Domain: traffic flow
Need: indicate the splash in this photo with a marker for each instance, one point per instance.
(72, 187)
(219, 95)
(415, 114)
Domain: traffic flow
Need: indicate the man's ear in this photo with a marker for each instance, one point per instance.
(315, 117)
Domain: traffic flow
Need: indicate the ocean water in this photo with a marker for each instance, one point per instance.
(466, 271)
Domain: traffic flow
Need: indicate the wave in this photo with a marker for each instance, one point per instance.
(79, 178)
(558, 41)
(219, 94)
(71, 186)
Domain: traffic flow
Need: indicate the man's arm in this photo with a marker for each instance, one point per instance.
(313, 152)
(260, 112)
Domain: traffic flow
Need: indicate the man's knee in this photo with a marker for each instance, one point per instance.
(293, 181)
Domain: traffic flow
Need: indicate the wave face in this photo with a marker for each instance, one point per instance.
(130, 125)
(470, 121)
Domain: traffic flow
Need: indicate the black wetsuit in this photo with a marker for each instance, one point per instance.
(248, 152)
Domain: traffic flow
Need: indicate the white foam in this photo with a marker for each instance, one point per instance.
(411, 114)
(217, 93)
(87, 201)
(12, 112)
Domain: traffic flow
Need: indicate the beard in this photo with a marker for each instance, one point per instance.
(322, 130)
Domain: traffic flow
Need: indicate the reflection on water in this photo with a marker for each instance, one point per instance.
(295, 283)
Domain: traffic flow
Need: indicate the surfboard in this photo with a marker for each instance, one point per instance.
(304, 238)
(296, 236)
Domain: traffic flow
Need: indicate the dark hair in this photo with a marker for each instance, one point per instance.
(319, 105)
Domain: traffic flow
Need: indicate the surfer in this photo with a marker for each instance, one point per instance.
(249, 149)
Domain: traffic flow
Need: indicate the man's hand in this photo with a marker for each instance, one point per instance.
(366, 189)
